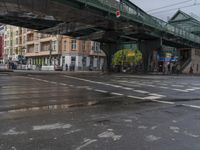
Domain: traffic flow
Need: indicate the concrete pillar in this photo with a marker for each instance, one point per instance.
(110, 49)
(147, 47)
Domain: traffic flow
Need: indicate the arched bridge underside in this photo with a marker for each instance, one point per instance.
(94, 20)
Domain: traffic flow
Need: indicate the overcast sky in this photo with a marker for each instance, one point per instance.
(171, 6)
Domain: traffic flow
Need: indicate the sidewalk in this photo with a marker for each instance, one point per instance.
(5, 70)
(54, 72)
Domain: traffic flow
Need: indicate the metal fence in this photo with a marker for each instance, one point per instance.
(136, 14)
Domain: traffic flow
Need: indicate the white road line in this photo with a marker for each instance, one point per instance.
(101, 91)
(117, 86)
(127, 88)
(63, 84)
(88, 88)
(45, 81)
(151, 85)
(118, 94)
(135, 97)
(157, 81)
(101, 83)
(163, 84)
(52, 82)
(123, 81)
(196, 84)
(180, 90)
(177, 85)
(152, 97)
(164, 102)
(140, 91)
(163, 87)
(81, 87)
(158, 95)
(192, 106)
(191, 89)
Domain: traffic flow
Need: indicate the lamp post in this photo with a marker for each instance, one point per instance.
(98, 59)
(84, 57)
(50, 53)
(21, 50)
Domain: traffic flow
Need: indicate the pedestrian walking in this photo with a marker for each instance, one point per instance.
(66, 67)
(191, 70)
(169, 67)
(102, 68)
(178, 69)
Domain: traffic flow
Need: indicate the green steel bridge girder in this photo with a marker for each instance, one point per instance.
(142, 18)
(130, 15)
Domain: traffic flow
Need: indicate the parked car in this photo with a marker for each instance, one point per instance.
(58, 68)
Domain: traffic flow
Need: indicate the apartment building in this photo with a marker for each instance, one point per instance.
(8, 43)
(56, 50)
(13, 47)
(84, 55)
(42, 49)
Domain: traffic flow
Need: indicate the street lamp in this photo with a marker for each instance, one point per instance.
(98, 57)
(50, 52)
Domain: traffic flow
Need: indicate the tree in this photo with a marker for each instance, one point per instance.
(127, 56)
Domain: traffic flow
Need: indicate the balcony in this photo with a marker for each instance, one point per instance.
(97, 53)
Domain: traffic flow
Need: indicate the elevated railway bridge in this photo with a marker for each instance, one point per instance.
(96, 20)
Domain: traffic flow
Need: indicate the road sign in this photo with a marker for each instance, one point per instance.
(118, 13)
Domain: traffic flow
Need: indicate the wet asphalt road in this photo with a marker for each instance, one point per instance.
(99, 112)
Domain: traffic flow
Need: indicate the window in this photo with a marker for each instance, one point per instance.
(24, 40)
(30, 49)
(197, 52)
(17, 41)
(73, 44)
(45, 46)
(54, 44)
(83, 45)
(36, 48)
(96, 46)
(65, 45)
(11, 43)
(73, 60)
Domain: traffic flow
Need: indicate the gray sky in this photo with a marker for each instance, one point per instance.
(188, 6)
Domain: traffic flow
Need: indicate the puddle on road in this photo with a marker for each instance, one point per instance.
(49, 107)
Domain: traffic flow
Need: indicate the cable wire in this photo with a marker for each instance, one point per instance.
(179, 3)
(163, 11)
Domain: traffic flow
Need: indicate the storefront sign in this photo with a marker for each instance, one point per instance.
(168, 59)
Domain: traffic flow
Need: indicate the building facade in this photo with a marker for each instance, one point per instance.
(51, 50)
(189, 58)
(84, 55)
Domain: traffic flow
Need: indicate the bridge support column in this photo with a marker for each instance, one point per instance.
(110, 49)
(147, 48)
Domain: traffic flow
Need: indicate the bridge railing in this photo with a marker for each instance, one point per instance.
(134, 13)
